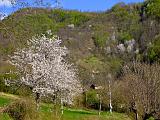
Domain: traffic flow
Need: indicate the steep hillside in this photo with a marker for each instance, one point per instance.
(98, 42)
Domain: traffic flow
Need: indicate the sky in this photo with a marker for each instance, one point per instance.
(93, 5)
(81, 5)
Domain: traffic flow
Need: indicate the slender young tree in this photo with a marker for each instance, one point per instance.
(110, 92)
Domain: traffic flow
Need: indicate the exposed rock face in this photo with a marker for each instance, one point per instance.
(71, 26)
(121, 48)
(130, 45)
(108, 49)
(113, 37)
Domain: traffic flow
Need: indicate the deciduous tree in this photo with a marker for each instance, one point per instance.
(44, 69)
(142, 85)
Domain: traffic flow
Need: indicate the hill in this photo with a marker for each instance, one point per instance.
(99, 44)
(90, 37)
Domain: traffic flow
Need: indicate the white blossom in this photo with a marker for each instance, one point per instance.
(44, 68)
(49, 32)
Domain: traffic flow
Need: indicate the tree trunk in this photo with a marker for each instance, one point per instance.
(136, 116)
(37, 100)
(62, 109)
(86, 99)
(134, 109)
(100, 105)
(110, 95)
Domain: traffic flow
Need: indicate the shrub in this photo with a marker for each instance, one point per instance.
(3, 87)
(151, 8)
(151, 118)
(154, 50)
(78, 18)
(22, 110)
(100, 39)
(60, 15)
(124, 36)
(120, 11)
(79, 101)
(92, 99)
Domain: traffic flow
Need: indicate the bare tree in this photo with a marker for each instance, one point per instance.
(142, 84)
(44, 69)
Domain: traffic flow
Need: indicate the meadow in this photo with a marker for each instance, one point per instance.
(47, 113)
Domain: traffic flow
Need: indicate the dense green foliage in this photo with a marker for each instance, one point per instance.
(124, 37)
(152, 8)
(71, 17)
(100, 38)
(92, 99)
(154, 50)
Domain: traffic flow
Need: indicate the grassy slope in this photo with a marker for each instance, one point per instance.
(69, 114)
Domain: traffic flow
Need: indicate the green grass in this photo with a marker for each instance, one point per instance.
(85, 115)
(4, 101)
(46, 112)
(71, 115)
(81, 114)
(4, 116)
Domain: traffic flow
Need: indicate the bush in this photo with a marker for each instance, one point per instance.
(124, 37)
(120, 11)
(79, 101)
(3, 87)
(22, 110)
(151, 118)
(60, 15)
(154, 50)
(100, 39)
(92, 99)
(78, 18)
(151, 8)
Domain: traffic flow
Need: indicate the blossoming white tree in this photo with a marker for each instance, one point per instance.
(44, 69)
